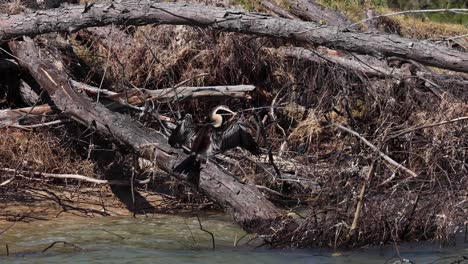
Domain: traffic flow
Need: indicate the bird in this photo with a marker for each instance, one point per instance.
(217, 135)
(183, 133)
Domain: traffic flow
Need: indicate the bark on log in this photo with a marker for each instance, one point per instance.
(278, 10)
(247, 205)
(134, 12)
(448, 83)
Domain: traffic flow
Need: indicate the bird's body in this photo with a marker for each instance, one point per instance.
(216, 136)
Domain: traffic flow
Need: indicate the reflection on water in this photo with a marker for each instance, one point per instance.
(174, 239)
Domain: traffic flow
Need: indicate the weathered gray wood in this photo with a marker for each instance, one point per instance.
(309, 10)
(373, 68)
(246, 204)
(143, 12)
(278, 10)
(134, 96)
(12, 117)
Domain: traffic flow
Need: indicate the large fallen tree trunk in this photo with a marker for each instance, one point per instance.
(448, 82)
(247, 205)
(134, 12)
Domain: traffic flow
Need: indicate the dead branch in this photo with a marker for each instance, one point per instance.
(374, 148)
(323, 57)
(369, 68)
(360, 199)
(12, 117)
(204, 230)
(61, 242)
(148, 12)
(68, 176)
(271, 6)
(429, 125)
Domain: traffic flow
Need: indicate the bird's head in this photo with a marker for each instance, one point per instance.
(216, 115)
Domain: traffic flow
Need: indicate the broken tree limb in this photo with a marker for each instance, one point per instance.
(245, 203)
(134, 96)
(370, 68)
(12, 117)
(273, 7)
(321, 57)
(374, 148)
(134, 12)
(360, 199)
(69, 177)
(411, 129)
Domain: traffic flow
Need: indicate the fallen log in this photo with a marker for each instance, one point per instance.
(245, 203)
(147, 12)
(278, 10)
(322, 57)
(373, 68)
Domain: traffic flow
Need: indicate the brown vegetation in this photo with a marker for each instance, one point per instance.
(325, 173)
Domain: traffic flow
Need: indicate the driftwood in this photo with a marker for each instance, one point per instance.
(66, 176)
(323, 57)
(278, 10)
(12, 117)
(371, 68)
(246, 204)
(146, 12)
(134, 96)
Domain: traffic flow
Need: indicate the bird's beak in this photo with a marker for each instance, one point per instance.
(228, 110)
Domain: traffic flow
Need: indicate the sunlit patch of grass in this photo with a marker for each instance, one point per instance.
(410, 25)
(422, 28)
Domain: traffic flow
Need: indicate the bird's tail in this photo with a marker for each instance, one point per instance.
(191, 167)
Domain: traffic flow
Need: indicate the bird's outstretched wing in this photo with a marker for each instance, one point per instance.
(183, 132)
(237, 135)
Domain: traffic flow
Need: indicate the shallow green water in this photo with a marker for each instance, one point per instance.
(174, 239)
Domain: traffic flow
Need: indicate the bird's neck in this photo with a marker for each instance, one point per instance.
(217, 122)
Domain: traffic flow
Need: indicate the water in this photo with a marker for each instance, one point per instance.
(175, 239)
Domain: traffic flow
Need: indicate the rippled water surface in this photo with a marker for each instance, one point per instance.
(176, 239)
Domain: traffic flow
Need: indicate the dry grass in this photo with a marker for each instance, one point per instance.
(11, 7)
(41, 152)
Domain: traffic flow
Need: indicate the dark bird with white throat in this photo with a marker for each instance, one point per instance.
(216, 136)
